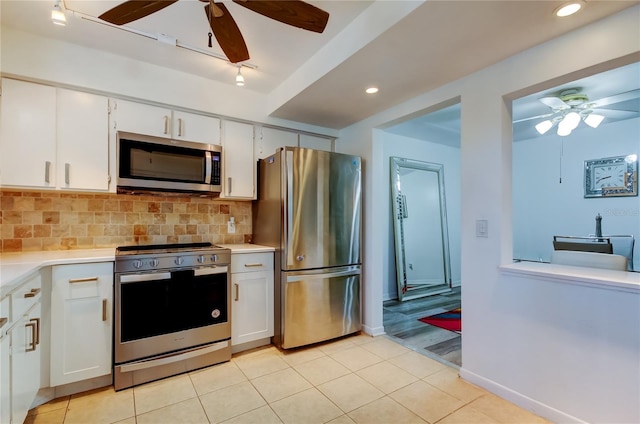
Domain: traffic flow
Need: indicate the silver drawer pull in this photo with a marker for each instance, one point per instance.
(104, 309)
(237, 286)
(3, 321)
(32, 344)
(47, 169)
(253, 265)
(37, 330)
(67, 169)
(82, 280)
(32, 293)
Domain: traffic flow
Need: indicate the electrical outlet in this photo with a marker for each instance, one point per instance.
(231, 225)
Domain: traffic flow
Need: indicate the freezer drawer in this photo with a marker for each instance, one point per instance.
(320, 305)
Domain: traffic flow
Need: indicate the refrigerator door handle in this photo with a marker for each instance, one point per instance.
(303, 277)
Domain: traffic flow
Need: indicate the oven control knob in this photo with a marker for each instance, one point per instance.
(179, 260)
(137, 264)
(201, 259)
(154, 262)
(214, 258)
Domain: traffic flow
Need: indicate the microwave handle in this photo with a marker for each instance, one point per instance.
(207, 167)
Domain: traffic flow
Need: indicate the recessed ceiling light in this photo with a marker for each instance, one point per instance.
(569, 8)
(371, 90)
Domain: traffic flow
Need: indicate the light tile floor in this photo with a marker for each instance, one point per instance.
(357, 379)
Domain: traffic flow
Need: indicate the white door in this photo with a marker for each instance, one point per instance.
(28, 134)
(198, 128)
(81, 322)
(239, 166)
(252, 309)
(83, 140)
(25, 363)
(140, 118)
(270, 139)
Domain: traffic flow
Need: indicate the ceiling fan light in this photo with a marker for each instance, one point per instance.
(593, 120)
(544, 126)
(570, 121)
(568, 9)
(57, 15)
(239, 78)
(563, 131)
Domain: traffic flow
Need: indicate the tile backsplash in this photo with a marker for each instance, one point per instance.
(54, 220)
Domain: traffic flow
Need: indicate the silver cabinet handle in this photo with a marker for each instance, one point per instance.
(82, 280)
(166, 124)
(179, 127)
(32, 293)
(66, 173)
(3, 321)
(37, 329)
(252, 265)
(32, 344)
(104, 309)
(229, 184)
(237, 287)
(47, 169)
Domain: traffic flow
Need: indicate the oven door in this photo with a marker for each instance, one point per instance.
(162, 312)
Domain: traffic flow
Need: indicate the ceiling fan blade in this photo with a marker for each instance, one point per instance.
(617, 98)
(554, 103)
(293, 12)
(132, 10)
(616, 114)
(546, 115)
(228, 34)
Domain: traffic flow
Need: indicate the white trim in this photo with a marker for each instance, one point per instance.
(377, 331)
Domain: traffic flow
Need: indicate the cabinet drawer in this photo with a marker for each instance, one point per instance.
(5, 315)
(25, 296)
(249, 262)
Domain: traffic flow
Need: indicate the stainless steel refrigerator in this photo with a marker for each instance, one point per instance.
(309, 210)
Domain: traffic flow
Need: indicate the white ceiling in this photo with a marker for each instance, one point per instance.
(435, 43)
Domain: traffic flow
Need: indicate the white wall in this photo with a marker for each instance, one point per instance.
(544, 207)
(449, 157)
(493, 348)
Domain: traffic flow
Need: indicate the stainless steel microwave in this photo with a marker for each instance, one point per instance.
(154, 164)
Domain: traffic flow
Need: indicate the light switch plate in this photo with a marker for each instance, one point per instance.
(482, 228)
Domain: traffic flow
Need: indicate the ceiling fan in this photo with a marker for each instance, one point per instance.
(570, 106)
(292, 12)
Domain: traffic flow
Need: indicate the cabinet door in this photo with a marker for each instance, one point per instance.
(140, 118)
(5, 381)
(81, 322)
(252, 309)
(239, 166)
(317, 143)
(270, 139)
(28, 134)
(83, 140)
(25, 363)
(198, 128)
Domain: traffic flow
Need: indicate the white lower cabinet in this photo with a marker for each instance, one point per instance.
(252, 295)
(20, 351)
(81, 321)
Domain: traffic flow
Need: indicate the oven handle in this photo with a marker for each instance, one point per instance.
(135, 278)
(216, 269)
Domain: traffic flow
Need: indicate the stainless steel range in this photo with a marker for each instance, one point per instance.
(172, 310)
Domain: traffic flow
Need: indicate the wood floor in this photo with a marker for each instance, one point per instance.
(400, 320)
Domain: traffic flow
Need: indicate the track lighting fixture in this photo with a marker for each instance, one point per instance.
(239, 78)
(57, 15)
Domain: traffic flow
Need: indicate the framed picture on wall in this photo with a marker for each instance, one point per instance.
(611, 177)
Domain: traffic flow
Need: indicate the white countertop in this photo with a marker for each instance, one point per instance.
(594, 277)
(14, 267)
(247, 248)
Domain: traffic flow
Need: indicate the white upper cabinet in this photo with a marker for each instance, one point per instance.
(198, 128)
(28, 134)
(82, 141)
(161, 122)
(270, 139)
(318, 143)
(239, 167)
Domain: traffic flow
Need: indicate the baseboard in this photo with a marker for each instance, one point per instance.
(373, 331)
(250, 345)
(519, 399)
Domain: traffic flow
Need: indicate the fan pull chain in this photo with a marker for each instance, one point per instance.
(210, 35)
(561, 154)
